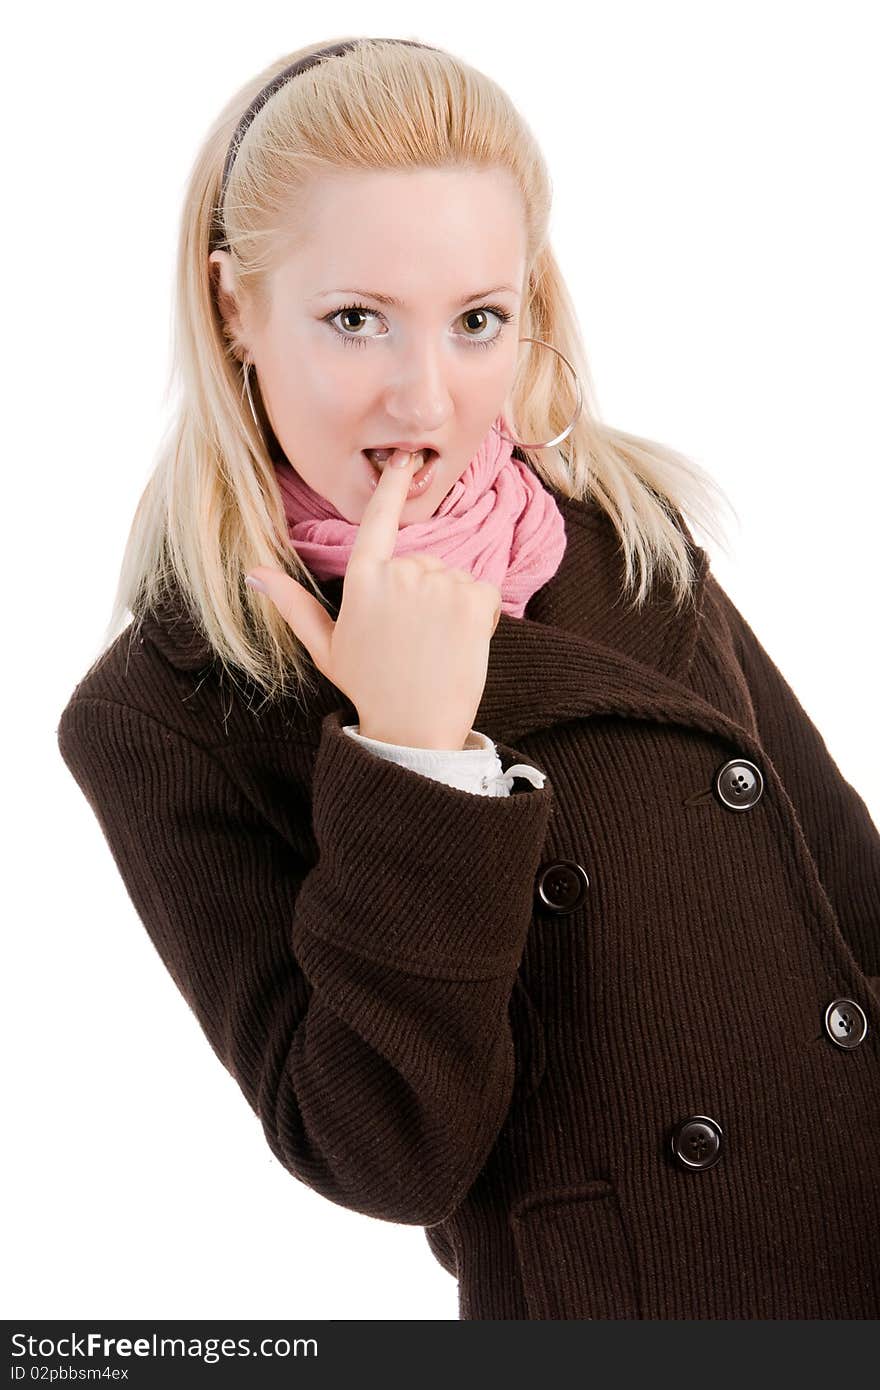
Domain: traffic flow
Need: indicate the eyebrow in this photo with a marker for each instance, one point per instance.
(398, 304)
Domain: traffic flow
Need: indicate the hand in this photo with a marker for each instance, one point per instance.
(410, 647)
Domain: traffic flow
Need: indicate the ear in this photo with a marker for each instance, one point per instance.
(222, 278)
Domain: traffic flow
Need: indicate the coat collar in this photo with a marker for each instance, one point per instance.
(580, 651)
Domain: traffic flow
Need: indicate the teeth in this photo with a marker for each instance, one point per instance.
(382, 455)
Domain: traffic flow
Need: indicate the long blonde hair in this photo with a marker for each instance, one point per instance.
(211, 509)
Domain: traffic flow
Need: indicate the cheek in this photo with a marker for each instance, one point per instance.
(304, 390)
(325, 379)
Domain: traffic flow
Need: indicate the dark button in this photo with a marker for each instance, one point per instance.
(739, 785)
(845, 1023)
(561, 886)
(696, 1142)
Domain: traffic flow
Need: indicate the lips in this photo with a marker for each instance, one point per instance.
(421, 479)
(407, 448)
(427, 454)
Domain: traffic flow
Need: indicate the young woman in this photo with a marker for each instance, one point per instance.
(613, 1041)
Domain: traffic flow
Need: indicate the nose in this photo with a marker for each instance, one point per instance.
(419, 391)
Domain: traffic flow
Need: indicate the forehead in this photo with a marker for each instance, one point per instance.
(410, 233)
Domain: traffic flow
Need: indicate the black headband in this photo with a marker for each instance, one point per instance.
(259, 101)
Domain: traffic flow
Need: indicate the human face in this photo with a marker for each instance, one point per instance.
(436, 367)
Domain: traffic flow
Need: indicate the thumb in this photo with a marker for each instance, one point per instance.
(302, 612)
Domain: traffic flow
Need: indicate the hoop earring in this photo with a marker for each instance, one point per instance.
(247, 387)
(579, 407)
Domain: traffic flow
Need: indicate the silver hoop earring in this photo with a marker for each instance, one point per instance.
(247, 387)
(580, 402)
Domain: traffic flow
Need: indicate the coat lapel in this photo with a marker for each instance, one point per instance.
(580, 650)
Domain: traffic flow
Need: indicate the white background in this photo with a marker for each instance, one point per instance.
(714, 171)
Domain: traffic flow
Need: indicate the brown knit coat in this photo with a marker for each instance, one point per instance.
(614, 1042)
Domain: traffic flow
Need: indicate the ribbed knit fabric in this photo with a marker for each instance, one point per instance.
(499, 1037)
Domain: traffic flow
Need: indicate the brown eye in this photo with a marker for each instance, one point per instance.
(349, 312)
(476, 313)
(495, 311)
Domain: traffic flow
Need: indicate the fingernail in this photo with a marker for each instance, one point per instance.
(400, 459)
(254, 583)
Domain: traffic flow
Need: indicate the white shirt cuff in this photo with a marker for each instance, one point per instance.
(475, 768)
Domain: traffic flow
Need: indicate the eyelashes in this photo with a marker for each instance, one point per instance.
(358, 341)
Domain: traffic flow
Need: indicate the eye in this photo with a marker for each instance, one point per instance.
(359, 339)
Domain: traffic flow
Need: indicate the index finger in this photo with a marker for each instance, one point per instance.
(377, 532)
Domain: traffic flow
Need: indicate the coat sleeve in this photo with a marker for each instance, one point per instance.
(358, 994)
(837, 825)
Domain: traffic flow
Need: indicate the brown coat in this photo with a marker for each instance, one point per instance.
(605, 1040)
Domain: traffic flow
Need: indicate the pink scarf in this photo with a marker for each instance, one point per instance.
(497, 521)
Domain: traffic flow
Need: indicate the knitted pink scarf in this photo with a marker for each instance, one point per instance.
(497, 521)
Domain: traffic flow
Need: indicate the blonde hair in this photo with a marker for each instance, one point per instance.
(211, 509)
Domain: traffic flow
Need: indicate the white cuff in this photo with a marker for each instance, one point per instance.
(475, 768)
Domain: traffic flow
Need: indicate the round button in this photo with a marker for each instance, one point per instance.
(845, 1023)
(561, 886)
(696, 1142)
(739, 785)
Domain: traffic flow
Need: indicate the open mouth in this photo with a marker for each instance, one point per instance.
(420, 478)
(379, 457)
